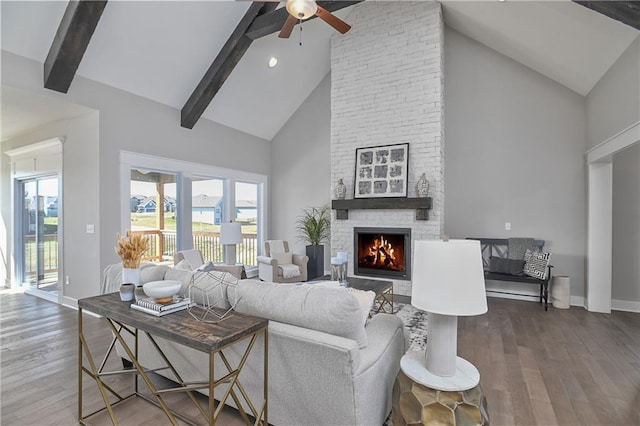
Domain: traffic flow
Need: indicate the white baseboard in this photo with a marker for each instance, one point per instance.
(616, 305)
(69, 302)
(577, 301)
(625, 305)
(529, 296)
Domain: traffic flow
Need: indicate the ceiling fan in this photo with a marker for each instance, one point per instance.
(299, 10)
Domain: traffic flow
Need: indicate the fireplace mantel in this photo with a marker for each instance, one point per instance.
(421, 205)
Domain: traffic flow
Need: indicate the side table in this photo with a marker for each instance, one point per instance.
(415, 404)
(181, 328)
(421, 397)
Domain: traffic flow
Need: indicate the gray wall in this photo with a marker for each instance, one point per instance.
(514, 150)
(614, 103)
(300, 166)
(126, 122)
(626, 225)
(80, 177)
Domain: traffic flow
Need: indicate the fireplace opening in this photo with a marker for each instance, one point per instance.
(382, 252)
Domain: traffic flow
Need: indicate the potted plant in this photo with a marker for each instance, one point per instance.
(314, 226)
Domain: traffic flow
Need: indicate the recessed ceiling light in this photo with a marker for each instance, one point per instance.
(273, 61)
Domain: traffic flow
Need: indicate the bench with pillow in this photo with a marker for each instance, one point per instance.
(519, 260)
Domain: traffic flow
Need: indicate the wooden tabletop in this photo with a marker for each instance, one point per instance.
(179, 327)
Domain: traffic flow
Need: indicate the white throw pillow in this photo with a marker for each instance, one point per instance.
(283, 258)
(183, 265)
(365, 300)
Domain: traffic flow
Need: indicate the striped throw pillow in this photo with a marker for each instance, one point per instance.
(536, 264)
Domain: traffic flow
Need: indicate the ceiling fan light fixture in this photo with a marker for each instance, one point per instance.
(301, 9)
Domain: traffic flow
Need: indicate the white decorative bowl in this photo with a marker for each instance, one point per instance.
(162, 291)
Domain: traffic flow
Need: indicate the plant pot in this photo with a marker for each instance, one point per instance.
(315, 267)
(130, 275)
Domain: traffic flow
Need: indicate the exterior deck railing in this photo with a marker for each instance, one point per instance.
(163, 244)
(49, 257)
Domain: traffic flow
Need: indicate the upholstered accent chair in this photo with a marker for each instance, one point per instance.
(279, 265)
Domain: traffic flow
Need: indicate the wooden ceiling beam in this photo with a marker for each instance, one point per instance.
(222, 65)
(261, 19)
(627, 12)
(72, 38)
(272, 22)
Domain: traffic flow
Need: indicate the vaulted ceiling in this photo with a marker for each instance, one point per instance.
(161, 50)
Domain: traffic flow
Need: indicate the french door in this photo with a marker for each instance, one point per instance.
(38, 204)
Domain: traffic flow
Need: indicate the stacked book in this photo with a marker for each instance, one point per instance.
(149, 306)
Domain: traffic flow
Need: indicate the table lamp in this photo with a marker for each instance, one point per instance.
(448, 281)
(230, 235)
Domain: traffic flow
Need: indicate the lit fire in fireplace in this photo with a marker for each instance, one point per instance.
(380, 253)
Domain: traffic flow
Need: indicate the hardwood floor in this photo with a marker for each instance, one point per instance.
(564, 367)
(39, 370)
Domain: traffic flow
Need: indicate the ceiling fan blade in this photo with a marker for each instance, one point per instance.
(331, 19)
(285, 32)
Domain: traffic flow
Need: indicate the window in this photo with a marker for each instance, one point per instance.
(153, 201)
(246, 212)
(196, 199)
(207, 211)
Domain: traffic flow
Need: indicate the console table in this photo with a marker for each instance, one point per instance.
(181, 328)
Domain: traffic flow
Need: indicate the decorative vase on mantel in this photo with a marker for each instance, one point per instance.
(422, 186)
(340, 190)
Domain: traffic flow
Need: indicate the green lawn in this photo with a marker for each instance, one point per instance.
(149, 220)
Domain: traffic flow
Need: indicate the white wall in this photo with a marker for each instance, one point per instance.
(126, 122)
(625, 286)
(300, 167)
(613, 106)
(614, 103)
(387, 88)
(514, 150)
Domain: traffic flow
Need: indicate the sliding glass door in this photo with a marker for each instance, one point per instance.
(38, 266)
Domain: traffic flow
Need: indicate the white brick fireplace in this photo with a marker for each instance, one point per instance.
(387, 87)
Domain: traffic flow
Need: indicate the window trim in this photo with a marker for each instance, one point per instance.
(185, 171)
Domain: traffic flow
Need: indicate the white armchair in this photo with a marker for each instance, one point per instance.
(279, 265)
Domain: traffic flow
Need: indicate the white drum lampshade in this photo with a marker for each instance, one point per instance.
(448, 278)
(447, 282)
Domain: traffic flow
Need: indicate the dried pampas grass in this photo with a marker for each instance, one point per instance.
(131, 248)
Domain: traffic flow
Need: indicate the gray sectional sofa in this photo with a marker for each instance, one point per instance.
(326, 365)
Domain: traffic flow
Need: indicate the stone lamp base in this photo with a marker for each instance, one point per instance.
(416, 404)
